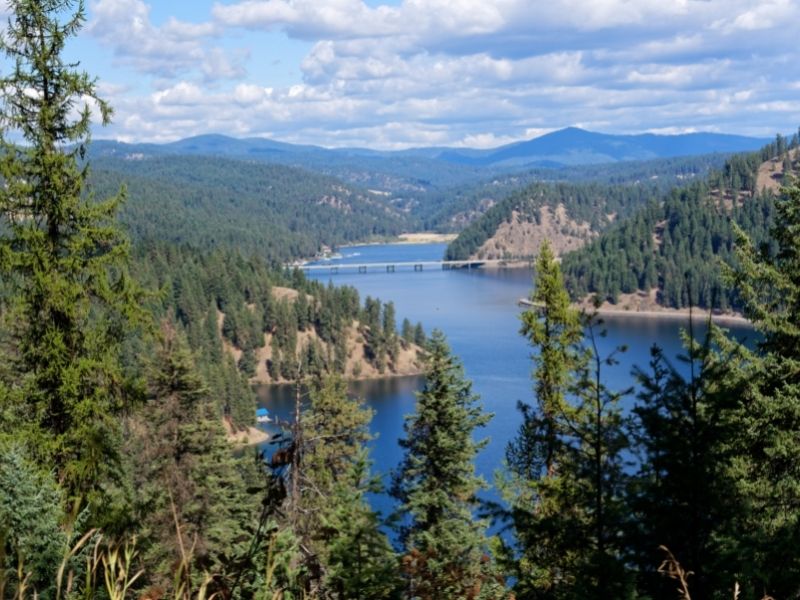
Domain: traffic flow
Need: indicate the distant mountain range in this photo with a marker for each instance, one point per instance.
(420, 169)
(573, 146)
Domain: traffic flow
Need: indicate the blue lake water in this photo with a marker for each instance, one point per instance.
(477, 310)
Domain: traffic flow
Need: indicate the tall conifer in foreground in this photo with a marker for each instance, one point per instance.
(343, 552)
(681, 496)
(445, 546)
(565, 480)
(63, 254)
(766, 535)
(545, 532)
(553, 328)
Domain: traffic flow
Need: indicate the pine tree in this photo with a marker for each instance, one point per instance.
(360, 563)
(345, 553)
(553, 328)
(185, 474)
(436, 486)
(594, 468)
(33, 542)
(565, 477)
(407, 331)
(537, 496)
(768, 418)
(64, 255)
(680, 497)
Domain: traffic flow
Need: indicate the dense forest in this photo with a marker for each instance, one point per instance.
(595, 205)
(117, 480)
(451, 210)
(277, 212)
(678, 246)
(229, 308)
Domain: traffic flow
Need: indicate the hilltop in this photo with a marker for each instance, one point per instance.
(419, 170)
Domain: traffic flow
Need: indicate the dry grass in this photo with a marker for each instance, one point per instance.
(670, 567)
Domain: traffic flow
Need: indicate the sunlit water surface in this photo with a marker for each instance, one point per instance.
(478, 311)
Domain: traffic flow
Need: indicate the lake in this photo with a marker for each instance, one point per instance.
(477, 310)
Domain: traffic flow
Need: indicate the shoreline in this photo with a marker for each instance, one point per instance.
(418, 373)
(674, 314)
(409, 239)
(696, 314)
(252, 436)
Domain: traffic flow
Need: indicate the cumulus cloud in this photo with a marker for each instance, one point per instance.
(464, 72)
(170, 50)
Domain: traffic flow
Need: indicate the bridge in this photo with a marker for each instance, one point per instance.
(391, 267)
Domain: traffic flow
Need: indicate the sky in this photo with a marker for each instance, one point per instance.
(473, 73)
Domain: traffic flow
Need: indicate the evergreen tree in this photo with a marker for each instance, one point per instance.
(361, 564)
(565, 478)
(390, 331)
(553, 328)
(33, 542)
(436, 486)
(766, 446)
(680, 497)
(420, 339)
(594, 469)
(64, 255)
(407, 331)
(191, 496)
(345, 554)
(537, 495)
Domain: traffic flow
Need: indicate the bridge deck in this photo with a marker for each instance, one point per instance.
(418, 264)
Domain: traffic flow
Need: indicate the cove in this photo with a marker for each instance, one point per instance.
(477, 310)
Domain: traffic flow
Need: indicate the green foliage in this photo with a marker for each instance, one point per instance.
(678, 246)
(360, 563)
(348, 556)
(566, 483)
(276, 212)
(584, 203)
(552, 327)
(767, 416)
(64, 257)
(190, 491)
(681, 495)
(445, 547)
(33, 542)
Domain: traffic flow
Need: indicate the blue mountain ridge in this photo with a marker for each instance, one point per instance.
(570, 146)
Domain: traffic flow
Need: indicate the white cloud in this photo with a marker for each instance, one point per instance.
(168, 51)
(464, 72)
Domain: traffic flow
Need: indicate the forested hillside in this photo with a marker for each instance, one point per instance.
(277, 212)
(673, 250)
(267, 325)
(399, 173)
(567, 214)
(452, 209)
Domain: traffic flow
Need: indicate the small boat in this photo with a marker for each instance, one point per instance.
(262, 415)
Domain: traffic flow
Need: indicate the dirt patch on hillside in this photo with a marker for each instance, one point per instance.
(249, 436)
(770, 173)
(358, 366)
(521, 237)
(426, 237)
(279, 293)
(235, 352)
